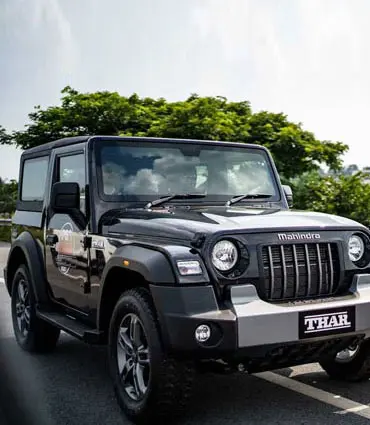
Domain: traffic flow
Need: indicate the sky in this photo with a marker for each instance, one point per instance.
(307, 58)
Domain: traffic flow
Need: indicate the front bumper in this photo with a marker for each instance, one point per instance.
(248, 322)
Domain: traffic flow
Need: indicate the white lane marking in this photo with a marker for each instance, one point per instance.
(2, 280)
(344, 404)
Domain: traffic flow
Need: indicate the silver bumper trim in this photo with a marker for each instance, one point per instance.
(260, 322)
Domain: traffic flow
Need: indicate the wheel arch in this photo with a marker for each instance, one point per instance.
(131, 266)
(26, 250)
(117, 281)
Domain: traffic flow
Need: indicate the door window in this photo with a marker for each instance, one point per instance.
(72, 169)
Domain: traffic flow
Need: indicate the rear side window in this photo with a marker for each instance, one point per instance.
(34, 179)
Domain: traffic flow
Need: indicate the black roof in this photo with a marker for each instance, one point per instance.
(67, 141)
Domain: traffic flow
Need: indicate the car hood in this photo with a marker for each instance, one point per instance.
(184, 223)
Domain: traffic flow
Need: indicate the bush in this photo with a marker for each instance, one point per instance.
(347, 196)
(5, 233)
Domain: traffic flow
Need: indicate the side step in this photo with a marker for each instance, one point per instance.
(72, 326)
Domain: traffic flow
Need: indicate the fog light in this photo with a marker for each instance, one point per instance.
(202, 333)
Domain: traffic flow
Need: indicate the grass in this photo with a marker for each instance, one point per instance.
(5, 233)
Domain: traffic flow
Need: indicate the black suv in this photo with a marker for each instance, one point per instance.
(182, 256)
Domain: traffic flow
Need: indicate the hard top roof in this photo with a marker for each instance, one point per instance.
(67, 141)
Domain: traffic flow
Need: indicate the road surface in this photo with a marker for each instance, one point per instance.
(72, 387)
(4, 249)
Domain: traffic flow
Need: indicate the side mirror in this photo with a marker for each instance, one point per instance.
(288, 194)
(65, 197)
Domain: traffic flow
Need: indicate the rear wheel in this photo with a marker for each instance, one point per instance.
(31, 333)
(148, 384)
(350, 364)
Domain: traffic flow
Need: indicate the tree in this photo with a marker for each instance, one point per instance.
(295, 150)
(209, 118)
(8, 197)
(4, 137)
(344, 195)
(351, 169)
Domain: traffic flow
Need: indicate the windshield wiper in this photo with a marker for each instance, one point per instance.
(168, 198)
(236, 199)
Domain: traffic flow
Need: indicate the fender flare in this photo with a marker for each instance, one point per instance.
(32, 252)
(150, 263)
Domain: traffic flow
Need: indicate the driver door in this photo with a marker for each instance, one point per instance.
(67, 261)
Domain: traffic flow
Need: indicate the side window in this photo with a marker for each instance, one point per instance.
(34, 179)
(72, 169)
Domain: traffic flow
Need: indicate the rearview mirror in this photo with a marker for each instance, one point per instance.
(288, 194)
(65, 197)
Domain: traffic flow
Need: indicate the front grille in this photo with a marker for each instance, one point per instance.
(300, 271)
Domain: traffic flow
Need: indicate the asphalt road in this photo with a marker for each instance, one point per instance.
(71, 386)
(4, 249)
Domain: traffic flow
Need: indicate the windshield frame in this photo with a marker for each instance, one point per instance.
(100, 142)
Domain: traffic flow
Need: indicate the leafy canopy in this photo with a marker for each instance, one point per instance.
(344, 195)
(294, 149)
(8, 197)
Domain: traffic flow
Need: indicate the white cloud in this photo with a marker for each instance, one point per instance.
(50, 13)
(310, 59)
(307, 58)
(40, 24)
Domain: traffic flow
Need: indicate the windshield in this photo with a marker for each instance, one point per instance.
(137, 170)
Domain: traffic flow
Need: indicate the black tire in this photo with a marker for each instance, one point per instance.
(40, 337)
(169, 381)
(355, 369)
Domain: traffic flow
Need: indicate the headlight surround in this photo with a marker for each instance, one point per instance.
(224, 255)
(356, 248)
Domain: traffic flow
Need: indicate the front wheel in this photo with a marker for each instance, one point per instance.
(32, 333)
(148, 384)
(351, 364)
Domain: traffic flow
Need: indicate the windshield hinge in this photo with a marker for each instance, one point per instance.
(86, 242)
(198, 240)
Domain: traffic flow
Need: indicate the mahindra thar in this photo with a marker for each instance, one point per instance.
(182, 256)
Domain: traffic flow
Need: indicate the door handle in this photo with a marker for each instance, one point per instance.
(51, 239)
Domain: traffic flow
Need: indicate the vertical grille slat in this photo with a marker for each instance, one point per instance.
(300, 270)
(283, 266)
(308, 266)
(331, 283)
(296, 271)
(319, 266)
(272, 274)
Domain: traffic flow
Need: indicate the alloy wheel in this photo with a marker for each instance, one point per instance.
(22, 307)
(133, 357)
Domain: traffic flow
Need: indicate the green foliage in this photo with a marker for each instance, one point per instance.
(209, 118)
(4, 137)
(214, 118)
(8, 197)
(5, 235)
(348, 196)
(295, 150)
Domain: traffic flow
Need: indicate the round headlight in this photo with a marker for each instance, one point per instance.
(356, 248)
(224, 255)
